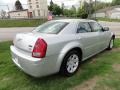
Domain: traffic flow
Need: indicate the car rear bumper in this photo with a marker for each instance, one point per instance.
(35, 67)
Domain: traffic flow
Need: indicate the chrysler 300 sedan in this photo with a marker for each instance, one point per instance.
(60, 46)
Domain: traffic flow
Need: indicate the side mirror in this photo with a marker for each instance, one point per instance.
(106, 29)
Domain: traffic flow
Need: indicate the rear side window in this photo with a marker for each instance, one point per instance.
(83, 27)
(95, 26)
(51, 27)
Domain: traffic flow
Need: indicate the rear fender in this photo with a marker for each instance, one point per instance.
(65, 50)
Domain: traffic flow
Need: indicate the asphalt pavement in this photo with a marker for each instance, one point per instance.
(7, 34)
(114, 27)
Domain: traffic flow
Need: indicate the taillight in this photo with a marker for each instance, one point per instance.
(40, 48)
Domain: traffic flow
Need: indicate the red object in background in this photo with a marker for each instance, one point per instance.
(30, 14)
(50, 17)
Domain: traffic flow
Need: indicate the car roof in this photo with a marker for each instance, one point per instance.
(75, 20)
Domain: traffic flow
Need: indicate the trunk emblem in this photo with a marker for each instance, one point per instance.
(30, 47)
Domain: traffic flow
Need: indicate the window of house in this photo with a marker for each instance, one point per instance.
(37, 2)
(37, 6)
(30, 7)
(30, 3)
(38, 12)
(18, 14)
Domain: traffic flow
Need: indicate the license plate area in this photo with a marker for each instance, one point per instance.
(16, 59)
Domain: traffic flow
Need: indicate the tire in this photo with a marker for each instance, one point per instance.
(111, 44)
(71, 63)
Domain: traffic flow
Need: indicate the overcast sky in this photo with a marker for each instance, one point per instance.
(66, 2)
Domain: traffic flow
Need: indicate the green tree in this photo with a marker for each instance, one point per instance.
(116, 2)
(56, 10)
(50, 8)
(70, 12)
(100, 5)
(66, 12)
(73, 11)
(18, 5)
(84, 11)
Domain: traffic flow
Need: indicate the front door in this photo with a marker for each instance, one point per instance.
(102, 35)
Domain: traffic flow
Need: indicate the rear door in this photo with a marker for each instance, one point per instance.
(88, 39)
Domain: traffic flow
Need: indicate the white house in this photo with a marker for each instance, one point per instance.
(19, 14)
(110, 12)
(115, 13)
(36, 9)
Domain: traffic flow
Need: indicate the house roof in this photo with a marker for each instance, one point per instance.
(18, 10)
(107, 9)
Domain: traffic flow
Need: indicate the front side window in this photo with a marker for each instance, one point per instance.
(95, 26)
(51, 27)
(83, 27)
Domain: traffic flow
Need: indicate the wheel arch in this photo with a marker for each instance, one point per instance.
(67, 48)
(62, 69)
(62, 56)
(78, 49)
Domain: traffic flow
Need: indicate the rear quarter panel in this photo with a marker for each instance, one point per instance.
(60, 45)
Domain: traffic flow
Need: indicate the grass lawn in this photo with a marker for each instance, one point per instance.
(21, 23)
(108, 19)
(105, 66)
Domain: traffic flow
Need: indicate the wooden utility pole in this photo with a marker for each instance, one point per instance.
(95, 8)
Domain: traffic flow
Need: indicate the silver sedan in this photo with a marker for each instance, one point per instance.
(59, 46)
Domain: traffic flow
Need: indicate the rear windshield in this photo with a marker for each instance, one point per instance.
(51, 27)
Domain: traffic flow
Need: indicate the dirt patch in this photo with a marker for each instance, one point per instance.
(103, 87)
(116, 67)
(6, 79)
(88, 85)
(93, 61)
(116, 49)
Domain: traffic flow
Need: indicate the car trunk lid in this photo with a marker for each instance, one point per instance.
(26, 41)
